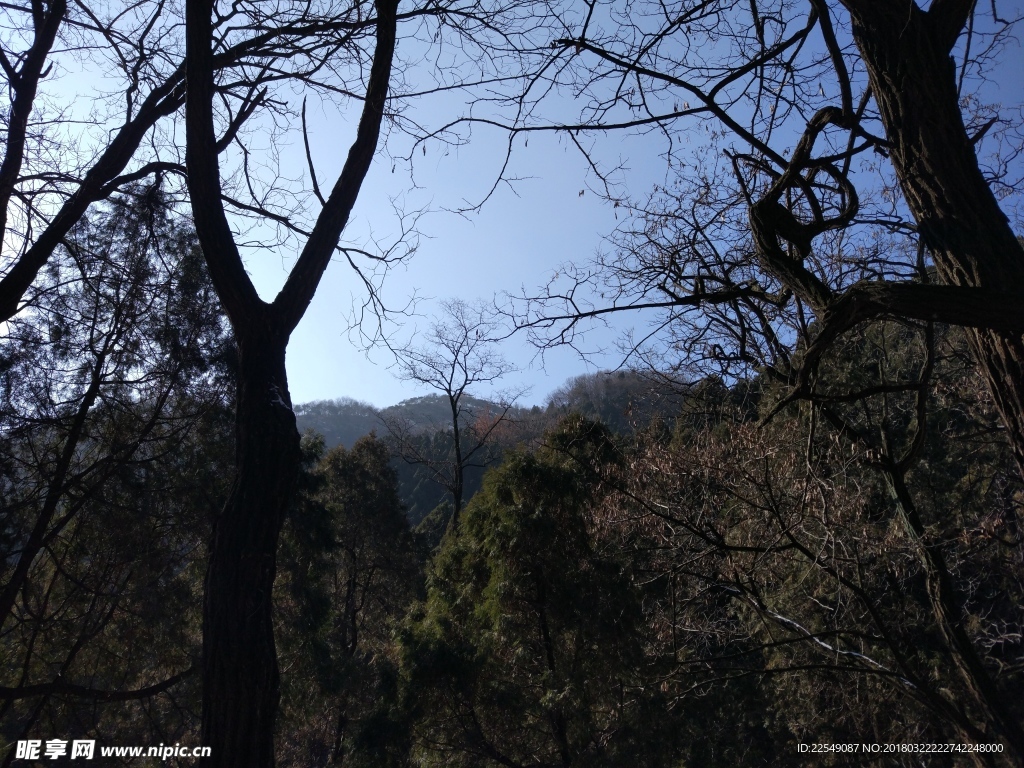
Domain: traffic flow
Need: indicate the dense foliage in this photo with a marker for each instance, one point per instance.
(114, 445)
(720, 594)
(737, 578)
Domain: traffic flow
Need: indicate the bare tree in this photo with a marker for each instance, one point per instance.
(458, 355)
(240, 671)
(58, 162)
(842, 559)
(842, 170)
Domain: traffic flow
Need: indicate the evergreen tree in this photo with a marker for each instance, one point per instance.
(526, 651)
(348, 574)
(115, 439)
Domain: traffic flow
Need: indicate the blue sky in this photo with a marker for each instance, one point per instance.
(517, 239)
(520, 236)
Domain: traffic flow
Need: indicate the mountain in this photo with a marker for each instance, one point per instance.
(622, 400)
(343, 421)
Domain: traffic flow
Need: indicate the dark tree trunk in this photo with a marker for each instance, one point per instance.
(240, 672)
(913, 80)
(459, 474)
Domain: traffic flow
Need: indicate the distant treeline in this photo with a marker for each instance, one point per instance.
(623, 400)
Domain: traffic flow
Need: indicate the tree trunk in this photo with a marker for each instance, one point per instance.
(240, 672)
(913, 80)
(458, 488)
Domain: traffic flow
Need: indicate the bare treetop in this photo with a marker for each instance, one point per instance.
(459, 351)
(458, 355)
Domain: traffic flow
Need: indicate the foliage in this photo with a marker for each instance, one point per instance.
(526, 650)
(348, 572)
(814, 535)
(116, 439)
(842, 591)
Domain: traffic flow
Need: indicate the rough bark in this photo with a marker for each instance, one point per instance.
(913, 79)
(979, 262)
(240, 672)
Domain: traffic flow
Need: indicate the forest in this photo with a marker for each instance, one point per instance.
(787, 530)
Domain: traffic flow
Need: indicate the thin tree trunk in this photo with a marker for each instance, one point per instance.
(459, 473)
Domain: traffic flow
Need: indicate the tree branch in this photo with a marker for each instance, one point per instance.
(290, 304)
(63, 688)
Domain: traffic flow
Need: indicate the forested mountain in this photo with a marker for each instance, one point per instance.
(624, 400)
(425, 423)
(343, 421)
(340, 422)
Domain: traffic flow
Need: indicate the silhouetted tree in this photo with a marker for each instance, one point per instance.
(115, 412)
(240, 669)
(459, 354)
(840, 179)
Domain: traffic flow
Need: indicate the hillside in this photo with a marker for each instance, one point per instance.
(622, 400)
(343, 421)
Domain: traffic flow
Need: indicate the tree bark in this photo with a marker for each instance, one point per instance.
(459, 473)
(913, 80)
(241, 687)
(240, 672)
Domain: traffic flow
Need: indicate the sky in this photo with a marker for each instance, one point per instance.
(514, 242)
(517, 239)
(520, 236)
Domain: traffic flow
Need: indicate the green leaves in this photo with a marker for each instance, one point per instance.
(527, 649)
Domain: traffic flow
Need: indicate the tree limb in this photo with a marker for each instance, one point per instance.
(63, 688)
